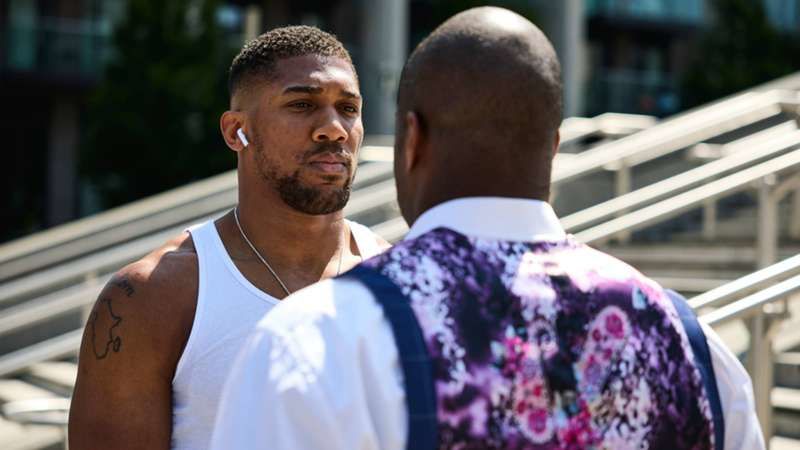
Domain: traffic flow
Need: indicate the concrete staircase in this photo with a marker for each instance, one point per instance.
(44, 380)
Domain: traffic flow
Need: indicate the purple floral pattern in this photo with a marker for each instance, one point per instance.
(549, 345)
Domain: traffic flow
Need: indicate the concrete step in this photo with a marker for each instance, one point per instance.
(786, 412)
(784, 443)
(743, 223)
(14, 436)
(13, 390)
(787, 370)
(56, 376)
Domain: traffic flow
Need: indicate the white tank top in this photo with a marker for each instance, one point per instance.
(228, 307)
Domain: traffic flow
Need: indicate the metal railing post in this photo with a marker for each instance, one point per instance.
(759, 365)
(767, 222)
(710, 220)
(622, 185)
(794, 221)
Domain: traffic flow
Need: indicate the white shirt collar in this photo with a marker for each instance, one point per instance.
(513, 219)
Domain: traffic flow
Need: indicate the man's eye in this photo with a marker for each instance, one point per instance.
(301, 105)
(350, 109)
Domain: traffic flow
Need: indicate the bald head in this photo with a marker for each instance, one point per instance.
(487, 74)
(483, 96)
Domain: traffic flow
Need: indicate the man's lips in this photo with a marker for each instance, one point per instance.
(330, 163)
(329, 167)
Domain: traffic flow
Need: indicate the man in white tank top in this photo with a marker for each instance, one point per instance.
(165, 330)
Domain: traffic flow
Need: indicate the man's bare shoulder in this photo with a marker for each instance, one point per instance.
(150, 303)
(132, 342)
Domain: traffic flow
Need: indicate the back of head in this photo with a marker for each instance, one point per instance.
(486, 86)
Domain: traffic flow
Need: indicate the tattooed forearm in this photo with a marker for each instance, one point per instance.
(103, 321)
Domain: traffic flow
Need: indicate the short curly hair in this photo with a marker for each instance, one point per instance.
(258, 57)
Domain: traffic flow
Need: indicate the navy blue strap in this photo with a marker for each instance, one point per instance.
(416, 363)
(697, 339)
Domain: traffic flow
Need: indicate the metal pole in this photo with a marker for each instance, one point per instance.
(622, 185)
(385, 35)
(767, 223)
(794, 221)
(759, 364)
(710, 220)
(252, 22)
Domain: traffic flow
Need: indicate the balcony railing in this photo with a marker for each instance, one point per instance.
(687, 11)
(57, 46)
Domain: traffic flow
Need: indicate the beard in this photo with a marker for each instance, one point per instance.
(309, 199)
(301, 196)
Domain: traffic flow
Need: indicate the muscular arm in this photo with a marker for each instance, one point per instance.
(131, 344)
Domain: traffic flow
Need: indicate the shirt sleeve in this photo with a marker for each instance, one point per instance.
(295, 384)
(742, 429)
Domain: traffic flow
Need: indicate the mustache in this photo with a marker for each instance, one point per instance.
(330, 148)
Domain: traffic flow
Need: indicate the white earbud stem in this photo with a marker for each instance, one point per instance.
(242, 137)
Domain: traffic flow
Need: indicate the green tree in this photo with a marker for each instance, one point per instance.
(739, 51)
(153, 121)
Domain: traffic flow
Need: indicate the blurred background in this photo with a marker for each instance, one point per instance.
(680, 154)
(107, 101)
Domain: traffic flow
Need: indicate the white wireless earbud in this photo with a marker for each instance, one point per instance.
(242, 137)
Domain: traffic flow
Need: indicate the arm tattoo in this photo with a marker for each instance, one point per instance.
(103, 321)
(125, 285)
(103, 318)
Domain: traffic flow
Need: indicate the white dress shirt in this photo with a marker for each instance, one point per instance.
(321, 371)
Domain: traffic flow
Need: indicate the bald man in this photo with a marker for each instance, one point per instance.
(487, 327)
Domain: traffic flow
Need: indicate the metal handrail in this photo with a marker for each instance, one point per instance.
(738, 288)
(681, 131)
(763, 323)
(674, 206)
(62, 346)
(753, 304)
(184, 204)
(38, 310)
(364, 200)
(394, 229)
(742, 153)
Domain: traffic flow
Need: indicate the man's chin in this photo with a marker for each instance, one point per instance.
(319, 200)
(314, 196)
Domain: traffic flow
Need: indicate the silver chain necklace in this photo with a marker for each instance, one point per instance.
(264, 260)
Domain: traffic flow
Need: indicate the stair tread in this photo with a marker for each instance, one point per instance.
(13, 390)
(784, 443)
(60, 373)
(786, 398)
(15, 436)
(790, 358)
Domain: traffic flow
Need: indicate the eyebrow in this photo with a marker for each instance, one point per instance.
(315, 90)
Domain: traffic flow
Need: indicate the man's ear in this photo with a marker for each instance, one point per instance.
(414, 141)
(229, 123)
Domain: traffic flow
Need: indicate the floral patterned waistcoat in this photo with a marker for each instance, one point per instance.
(548, 345)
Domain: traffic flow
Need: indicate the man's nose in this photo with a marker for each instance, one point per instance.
(330, 129)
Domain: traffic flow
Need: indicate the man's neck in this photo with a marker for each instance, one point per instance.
(292, 238)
